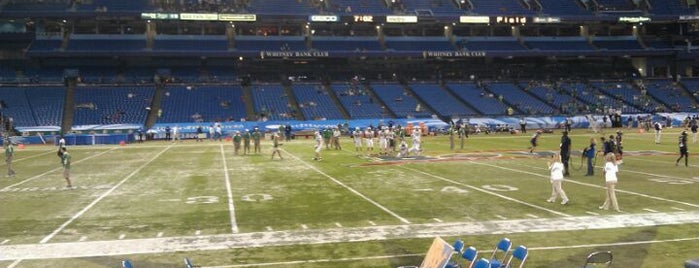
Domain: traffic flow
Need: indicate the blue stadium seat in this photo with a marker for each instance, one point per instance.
(358, 103)
(440, 100)
(271, 100)
(399, 101)
(520, 99)
(478, 98)
(314, 102)
(211, 103)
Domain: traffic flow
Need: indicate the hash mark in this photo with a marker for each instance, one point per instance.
(122, 236)
(650, 210)
(198, 232)
(437, 220)
(83, 238)
(532, 216)
(160, 234)
(678, 209)
(303, 226)
(269, 228)
(500, 217)
(338, 224)
(4, 241)
(372, 223)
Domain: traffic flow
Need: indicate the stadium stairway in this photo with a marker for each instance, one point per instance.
(505, 100)
(294, 101)
(454, 96)
(336, 101)
(378, 100)
(247, 98)
(519, 85)
(421, 101)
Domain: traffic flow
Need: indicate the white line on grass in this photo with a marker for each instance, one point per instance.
(337, 235)
(490, 192)
(590, 185)
(82, 239)
(105, 194)
(437, 220)
(160, 234)
(338, 224)
(30, 157)
(287, 263)
(231, 207)
(122, 236)
(403, 220)
(678, 209)
(5, 241)
(372, 223)
(651, 210)
(53, 170)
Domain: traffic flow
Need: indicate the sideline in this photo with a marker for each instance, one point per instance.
(337, 235)
(645, 242)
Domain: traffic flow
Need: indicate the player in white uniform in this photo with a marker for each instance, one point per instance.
(390, 136)
(403, 149)
(383, 142)
(318, 146)
(416, 137)
(369, 140)
(357, 136)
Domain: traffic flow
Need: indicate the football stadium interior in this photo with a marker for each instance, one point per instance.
(150, 98)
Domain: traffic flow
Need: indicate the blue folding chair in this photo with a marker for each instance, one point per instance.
(503, 246)
(458, 245)
(471, 255)
(126, 264)
(519, 254)
(482, 263)
(188, 263)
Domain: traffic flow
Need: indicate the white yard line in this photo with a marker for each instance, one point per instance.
(54, 170)
(29, 157)
(290, 263)
(490, 192)
(403, 220)
(98, 199)
(589, 184)
(231, 206)
(338, 235)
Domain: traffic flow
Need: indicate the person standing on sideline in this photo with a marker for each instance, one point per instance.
(275, 146)
(246, 142)
(610, 178)
(336, 138)
(65, 161)
(522, 125)
(287, 132)
(256, 140)
(357, 137)
(369, 140)
(534, 141)
(565, 152)
(236, 142)
(9, 155)
(683, 149)
(658, 132)
(462, 135)
(319, 146)
(218, 134)
(167, 132)
(590, 153)
(175, 133)
(211, 133)
(556, 168)
(619, 147)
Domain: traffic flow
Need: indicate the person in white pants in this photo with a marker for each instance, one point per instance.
(556, 167)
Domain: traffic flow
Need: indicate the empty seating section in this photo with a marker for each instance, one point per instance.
(270, 43)
(271, 101)
(562, 7)
(282, 7)
(617, 43)
(499, 7)
(485, 102)
(202, 104)
(489, 43)
(441, 101)
(659, 44)
(669, 7)
(8, 74)
(615, 5)
(188, 43)
(627, 93)
(597, 102)
(361, 7)
(314, 102)
(346, 43)
(671, 94)
(46, 44)
(16, 105)
(520, 99)
(558, 43)
(47, 104)
(111, 105)
(99, 42)
(563, 102)
(437, 7)
(400, 101)
(419, 43)
(37, 5)
(358, 103)
(692, 85)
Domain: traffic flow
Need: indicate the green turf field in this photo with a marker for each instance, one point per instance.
(158, 202)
